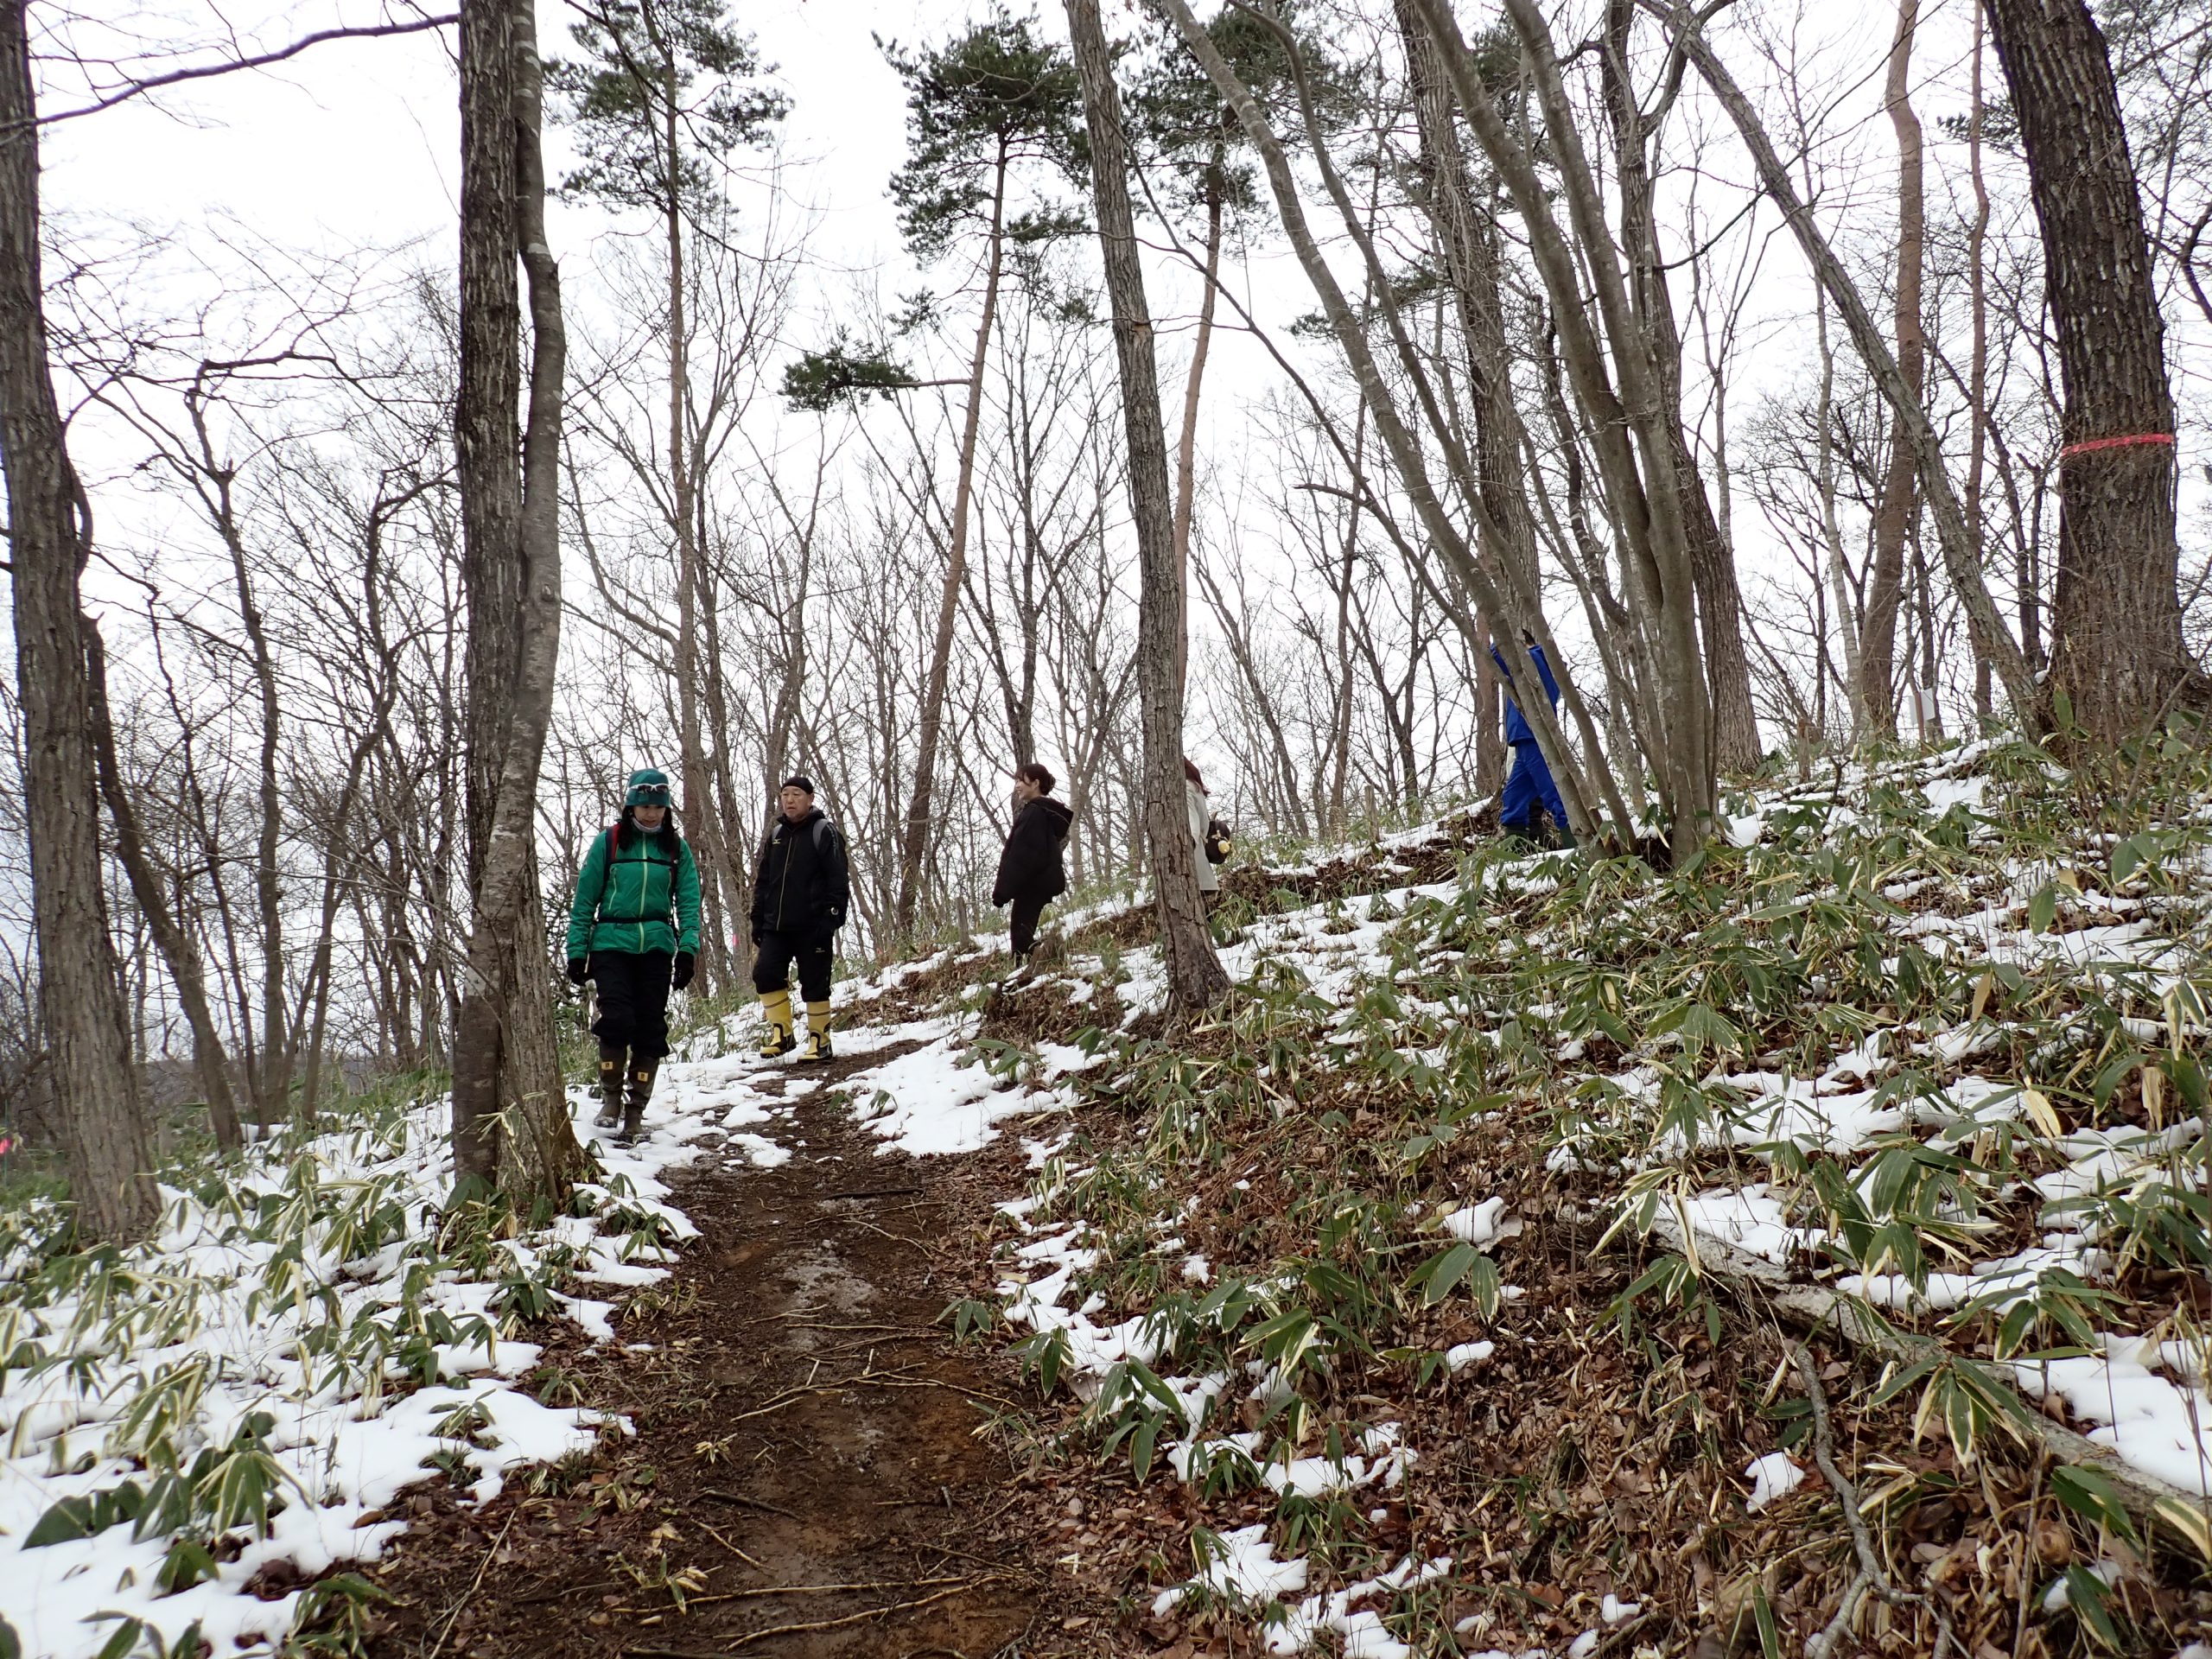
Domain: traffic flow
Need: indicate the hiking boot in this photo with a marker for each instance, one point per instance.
(610, 1088)
(776, 1009)
(817, 1046)
(642, 1074)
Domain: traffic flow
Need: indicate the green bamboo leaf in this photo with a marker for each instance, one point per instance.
(2042, 909)
(1140, 1444)
(2093, 1494)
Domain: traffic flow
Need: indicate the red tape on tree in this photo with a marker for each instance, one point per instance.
(2090, 446)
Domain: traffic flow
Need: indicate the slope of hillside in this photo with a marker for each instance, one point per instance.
(1536, 1255)
(1530, 1258)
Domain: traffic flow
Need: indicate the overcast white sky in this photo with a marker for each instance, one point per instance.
(354, 145)
(356, 142)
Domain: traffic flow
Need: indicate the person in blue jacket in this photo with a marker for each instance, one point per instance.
(1529, 785)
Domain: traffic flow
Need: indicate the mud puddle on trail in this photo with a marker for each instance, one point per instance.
(805, 1477)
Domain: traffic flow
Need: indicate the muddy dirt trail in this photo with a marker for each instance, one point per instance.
(805, 1477)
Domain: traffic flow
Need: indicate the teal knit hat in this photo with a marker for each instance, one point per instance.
(648, 787)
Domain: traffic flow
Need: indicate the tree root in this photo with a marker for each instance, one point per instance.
(733, 1643)
(1872, 1575)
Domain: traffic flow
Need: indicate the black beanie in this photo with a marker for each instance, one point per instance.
(800, 780)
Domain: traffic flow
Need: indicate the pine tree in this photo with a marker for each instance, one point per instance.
(983, 111)
(663, 92)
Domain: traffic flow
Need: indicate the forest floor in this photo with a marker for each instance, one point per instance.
(1802, 1250)
(804, 1472)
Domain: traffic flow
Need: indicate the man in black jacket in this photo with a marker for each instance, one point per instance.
(1031, 873)
(800, 891)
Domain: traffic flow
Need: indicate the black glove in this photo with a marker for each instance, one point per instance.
(579, 970)
(680, 975)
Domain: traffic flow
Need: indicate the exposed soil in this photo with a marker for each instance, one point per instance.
(806, 1474)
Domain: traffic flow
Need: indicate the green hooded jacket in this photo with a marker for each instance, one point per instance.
(634, 899)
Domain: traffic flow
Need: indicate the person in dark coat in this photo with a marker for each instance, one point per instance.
(801, 887)
(633, 931)
(1529, 785)
(1030, 871)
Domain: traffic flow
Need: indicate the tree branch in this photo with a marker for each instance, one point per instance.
(261, 60)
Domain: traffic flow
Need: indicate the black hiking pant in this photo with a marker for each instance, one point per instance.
(632, 991)
(813, 950)
(1022, 922)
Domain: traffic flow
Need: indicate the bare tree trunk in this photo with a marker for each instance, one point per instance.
(1468, 239)
(2117, 652)
(1894, 512)
(1195, 976)
(701, 820)
(1238, 638)
(1578, 786)
(1978, 363)
(269, 1063)
(1187, 444)
(277, 1043)
(1961, 561)
(486, 447)
(180, 955)
(1839, 577)
(1712, 561)
(914, 844)
(96, 1088)
(503, 1044)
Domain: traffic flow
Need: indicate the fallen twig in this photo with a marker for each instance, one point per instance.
(739, 1498)
(542, 1596)
(747, 1640)
(475, 1583)
(1871, 1576)
(773, 1591)
(885, 1380)
(750, 1561)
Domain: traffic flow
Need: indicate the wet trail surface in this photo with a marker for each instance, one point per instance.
(805, 1477)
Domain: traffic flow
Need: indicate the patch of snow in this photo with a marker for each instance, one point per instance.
(1462, 1355)
(2156, 1425)
(1773, 1477)
(1240, 1564)
(928, 1102)
(1480, 1224)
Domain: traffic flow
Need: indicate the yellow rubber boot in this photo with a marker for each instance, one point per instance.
(777, 1005)
(817, 1032)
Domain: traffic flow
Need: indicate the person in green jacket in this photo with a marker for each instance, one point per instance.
(633, 931)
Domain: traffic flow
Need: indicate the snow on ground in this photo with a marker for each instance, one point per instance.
(213, 1318)
(1882, 1087)
(297, 1316)
(274, 1330)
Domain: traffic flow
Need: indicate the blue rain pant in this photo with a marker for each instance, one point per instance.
(1528, 786)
